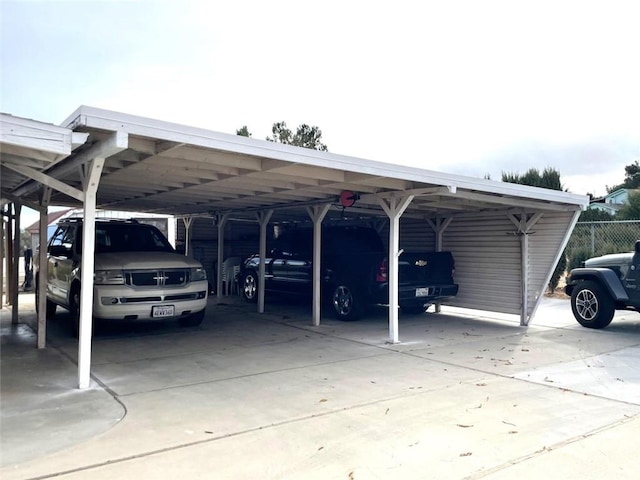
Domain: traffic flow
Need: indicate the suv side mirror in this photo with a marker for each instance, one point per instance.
(60, 251)
(638, 246)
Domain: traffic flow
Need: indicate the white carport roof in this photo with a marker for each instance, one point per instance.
(169, 168)
(146, 165)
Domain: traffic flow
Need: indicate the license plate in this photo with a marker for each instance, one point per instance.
(422, 292)
(161, 311)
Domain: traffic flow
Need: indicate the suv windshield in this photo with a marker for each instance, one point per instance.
(130, 237)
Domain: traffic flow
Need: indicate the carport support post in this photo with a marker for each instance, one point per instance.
(187, 235)
(317, 214)
(41, 284)
(2, 254)
(439, 226)
(16, 262)
(263, 220)
(222, 222)
(524, 230)
(394, 208)
(90, 188)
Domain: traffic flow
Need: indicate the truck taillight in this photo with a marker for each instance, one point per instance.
(381, 275)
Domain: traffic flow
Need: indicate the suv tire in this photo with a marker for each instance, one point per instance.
(192, 320)
(592, 305)
(250, 287)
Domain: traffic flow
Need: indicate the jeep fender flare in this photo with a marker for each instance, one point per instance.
(605, 277)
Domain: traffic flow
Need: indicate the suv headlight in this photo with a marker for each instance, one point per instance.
(198, 274)
(108, 277)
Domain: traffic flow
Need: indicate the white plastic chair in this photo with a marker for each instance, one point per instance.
(230, 269)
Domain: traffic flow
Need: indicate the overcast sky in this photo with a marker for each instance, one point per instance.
(470, 87)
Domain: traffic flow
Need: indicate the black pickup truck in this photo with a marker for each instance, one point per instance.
(354, 271)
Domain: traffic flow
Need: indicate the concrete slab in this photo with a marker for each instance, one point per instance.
(614, 375)
(270, 396)
(42, 410)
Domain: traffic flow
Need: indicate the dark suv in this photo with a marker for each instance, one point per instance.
(603, 285)
(354, 271)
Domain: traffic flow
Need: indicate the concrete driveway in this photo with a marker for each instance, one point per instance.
(465, 395)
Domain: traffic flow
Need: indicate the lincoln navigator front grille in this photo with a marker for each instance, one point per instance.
(153, 278)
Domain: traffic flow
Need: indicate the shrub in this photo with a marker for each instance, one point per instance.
(578, 256)
(558, 272)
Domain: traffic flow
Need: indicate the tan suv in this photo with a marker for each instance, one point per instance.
(138, 274)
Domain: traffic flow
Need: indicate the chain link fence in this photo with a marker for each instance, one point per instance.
(592, 239)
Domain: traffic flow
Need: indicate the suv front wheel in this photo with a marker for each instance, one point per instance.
(592, 305)
(250, 287)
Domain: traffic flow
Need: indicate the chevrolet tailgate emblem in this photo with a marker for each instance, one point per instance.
(421, 263)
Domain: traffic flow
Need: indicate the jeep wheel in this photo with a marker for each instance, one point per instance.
(192, 320)
(346, 305)
(592, 306)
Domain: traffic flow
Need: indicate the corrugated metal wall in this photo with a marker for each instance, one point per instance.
(488, 259)
(488, 262)
(484, 245)
(544, 243)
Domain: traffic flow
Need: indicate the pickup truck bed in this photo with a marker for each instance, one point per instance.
(354, 271)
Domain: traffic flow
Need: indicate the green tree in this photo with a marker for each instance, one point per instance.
(550, 178)
(25, 240)
(631, 209)
(631, 178)
(595, 215)
(305, 136)
(243, 131)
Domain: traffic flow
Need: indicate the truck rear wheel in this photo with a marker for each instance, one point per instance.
(592, 305)
(345, 302)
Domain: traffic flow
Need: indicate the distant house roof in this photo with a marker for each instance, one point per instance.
(51, 218)
(610, 208)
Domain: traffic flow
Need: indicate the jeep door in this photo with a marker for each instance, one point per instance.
(632, 280)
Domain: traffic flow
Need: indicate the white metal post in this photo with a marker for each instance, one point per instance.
(439, 226)
(524, 224)
(222, 222)
(90, 188)
(41, 284)
(263, 219)
(524, 246)
(317, 214)
(187, 235)
(16, 261)
(394, 208)
(3, 251)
